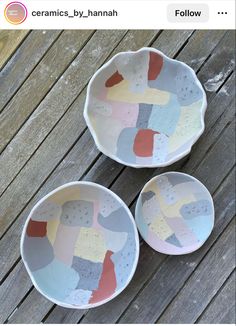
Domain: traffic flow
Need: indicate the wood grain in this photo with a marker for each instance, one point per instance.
(39, 83)
(23, 61)
(204, 283)
(9, 41)
(221, 309)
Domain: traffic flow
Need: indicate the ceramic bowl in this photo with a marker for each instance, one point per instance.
(175, 213)
(80, 245)
(145, 109)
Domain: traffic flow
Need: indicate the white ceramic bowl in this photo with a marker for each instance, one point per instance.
(175, 213)
(145, 109)
(80, 245)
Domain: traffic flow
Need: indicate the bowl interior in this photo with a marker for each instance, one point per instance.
(80, 246)
(175, 213)
(145, 109)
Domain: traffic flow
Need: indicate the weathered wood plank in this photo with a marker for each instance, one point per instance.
(30, 306)
(51, 109)
(215, 166)
(14, 287)
(175, 270)
(61, 315)
(219, 114)
(9, 41)
(23, 103)
(23, 62)
(222, 308)
(221, 64)
(204, 283)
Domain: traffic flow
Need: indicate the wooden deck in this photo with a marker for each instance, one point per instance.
(44, 143)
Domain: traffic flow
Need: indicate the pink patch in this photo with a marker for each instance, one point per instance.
(107, 283)
(127, 113)
(185, 236)
(96, 209)
(166, 247)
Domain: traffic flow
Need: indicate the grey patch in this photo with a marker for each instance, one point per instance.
(38, 252)
(77, 213)
(174, 241)
(117, 221)
(46, 211)
(179, 80)
(147, 195)
(197, 208)
(145, 111)
(125, 145)
(89, 273)
(124, 260)
(187, 90)
(176, 179)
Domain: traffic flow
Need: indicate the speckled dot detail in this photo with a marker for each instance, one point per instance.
(82, 252)
(145, 109)
(175, 213)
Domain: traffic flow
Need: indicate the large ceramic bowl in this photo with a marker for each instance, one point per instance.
(80, 245)
(175, 213)
(145, 109)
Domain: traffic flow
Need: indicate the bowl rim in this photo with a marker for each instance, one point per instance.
(102, 149)
(137, 209)
(136, 240)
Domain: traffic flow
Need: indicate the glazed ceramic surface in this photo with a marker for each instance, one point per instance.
(175, 213)
(145, 109)
(80, 245)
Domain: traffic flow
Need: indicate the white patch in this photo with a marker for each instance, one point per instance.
(160, 148)
(79, 297)
(115, 241)
(134, 68)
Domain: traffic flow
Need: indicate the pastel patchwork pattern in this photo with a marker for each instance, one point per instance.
(81, 252)
(180, 214)
(145, 109)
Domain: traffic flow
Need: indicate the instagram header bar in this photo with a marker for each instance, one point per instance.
(154, 14)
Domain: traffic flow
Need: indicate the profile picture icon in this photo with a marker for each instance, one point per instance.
(15, 13)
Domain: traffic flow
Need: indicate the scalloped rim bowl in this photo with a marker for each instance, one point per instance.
(148, 116)
(80, 245)
(175, 213)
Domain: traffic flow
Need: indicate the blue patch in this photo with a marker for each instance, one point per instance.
(56, 280)
(201, 226)
(123, 261)
(117, 221)
(174, 241)
(164, 119)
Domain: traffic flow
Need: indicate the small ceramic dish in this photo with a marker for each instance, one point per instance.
(175, 213)
(145, 109)
(80, 245)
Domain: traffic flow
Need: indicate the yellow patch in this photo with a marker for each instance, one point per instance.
(172, 210)
(90, 245)
(188, 126)
(121, 93)
(161, 228)
(52, 226)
